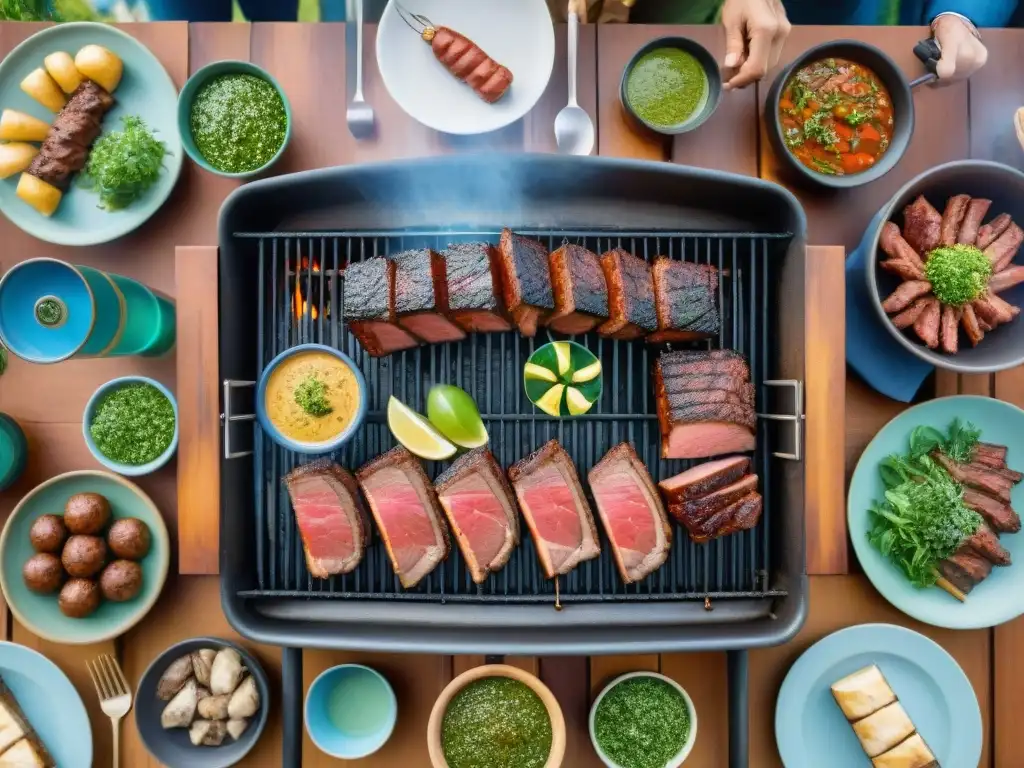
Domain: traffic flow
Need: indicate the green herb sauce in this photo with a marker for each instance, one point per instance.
(124, 164)
(311, 397)
(642, 722)
(958, 273)
(238, 122)
(666, 87)
(133, 425)
(49, 312)
(496, 722)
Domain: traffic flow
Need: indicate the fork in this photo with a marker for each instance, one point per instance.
(359, 115)
(114, 693)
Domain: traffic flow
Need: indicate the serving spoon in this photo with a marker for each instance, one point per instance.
(574, 130)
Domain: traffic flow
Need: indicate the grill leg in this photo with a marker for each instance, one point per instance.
(738, 710)
(291, 706)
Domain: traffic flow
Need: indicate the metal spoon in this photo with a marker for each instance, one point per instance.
(574, 130)
(360, 114)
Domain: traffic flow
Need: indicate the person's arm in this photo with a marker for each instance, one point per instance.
(983, 13)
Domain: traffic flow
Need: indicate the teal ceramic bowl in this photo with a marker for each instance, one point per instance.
(188, 95)
(13, 451)
(145, 90)
(364, 706)
(39, 613)
(129, 470)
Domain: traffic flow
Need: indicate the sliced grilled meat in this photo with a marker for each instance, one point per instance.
(1007, 279)
(474, 288)
(1010, 474)
(709, 362)
(421, 296)
(704, 478)
(905, 295)
(370, 307)
(976, 477)
(965, 569)
(975, 214)
(985, 543)
(972, 327)
(928, 323)
(527, 282)
(999, 515)
(898, 249)
(991, 454)
(735, 391)
(950, 328)
(921, 225)
(739, 516)
(581, 296)
(988, 233)
(686, 299)
(1002, 250)
(66, 148)
(952, 217)
(630, 296)
(700, 509)
(686, 398)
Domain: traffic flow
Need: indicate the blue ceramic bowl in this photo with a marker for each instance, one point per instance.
(188, 95)
(351, 688)
(13, 451)
(129, 470)
(309, 448)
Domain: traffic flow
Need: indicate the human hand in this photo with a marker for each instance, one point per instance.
(963, 53)
(755, 31)
(579, 7)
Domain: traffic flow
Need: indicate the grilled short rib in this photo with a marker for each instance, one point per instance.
(630, 296)
(704, 478)
(523, 264)
(407, 514)
(370, 307)
(332, 520)
(481, 511)
(631, 512)
(686, 299)
(421, 296)
(581, 296)
(555, 509)
(475, 301)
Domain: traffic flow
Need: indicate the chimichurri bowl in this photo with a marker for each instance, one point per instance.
(651, 81)
(208, 77)
(155, 390)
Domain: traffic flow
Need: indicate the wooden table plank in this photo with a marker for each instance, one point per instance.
(567, 677)
(704, 677)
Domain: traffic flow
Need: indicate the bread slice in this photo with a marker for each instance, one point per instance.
(26, 751)
(862, 693)
(25, 754)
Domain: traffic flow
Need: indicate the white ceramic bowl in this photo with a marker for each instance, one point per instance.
(680, 757)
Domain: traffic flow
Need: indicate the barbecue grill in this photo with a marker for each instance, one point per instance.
(284, 245)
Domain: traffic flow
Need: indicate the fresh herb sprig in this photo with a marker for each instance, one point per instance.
(124, 164)
(311, 397)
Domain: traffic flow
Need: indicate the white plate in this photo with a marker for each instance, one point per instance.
(516, 33)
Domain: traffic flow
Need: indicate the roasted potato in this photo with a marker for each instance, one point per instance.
(100, 65)
(17, 126)
(61, 67)
(16, 157)
(42, 196)
(40, 86)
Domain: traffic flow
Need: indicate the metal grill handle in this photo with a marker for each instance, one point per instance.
(796, 417)
(228, 418)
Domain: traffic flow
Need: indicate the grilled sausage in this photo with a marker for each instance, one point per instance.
(470, 64)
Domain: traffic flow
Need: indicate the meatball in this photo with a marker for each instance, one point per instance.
(48, 533)
(84, 556)
(43, 573)
(129, 538)
(87, 513)
(121, 580)
(79, 598)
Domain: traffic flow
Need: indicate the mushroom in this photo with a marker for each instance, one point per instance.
(226, 671)
(245, 700)
(174, 678)
(182, 708)
(202, 662)
(207, 733)
(236, 728)
(214, 707)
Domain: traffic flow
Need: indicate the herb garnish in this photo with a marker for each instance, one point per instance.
(3, 358)
(642, 722)
(820, 132)
(856, 117)
(958, 273)
(124, 164)
(133, 425)
(311, 396)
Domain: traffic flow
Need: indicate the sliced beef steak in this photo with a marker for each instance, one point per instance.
(421, 296)
(686, 299)
(704, 478)
(370, 307)
(693, 511)
(965, 569)
(581, 296)
(738, 516)
(524, 272)
(630, 296)
(979, 478)
(474, 288)
(999, 515)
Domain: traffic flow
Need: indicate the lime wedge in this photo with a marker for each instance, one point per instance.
(563, 352)
(456, 416)
(588, 373)
(550, 402)
(539, 373)
(576, 402)
(415, 432)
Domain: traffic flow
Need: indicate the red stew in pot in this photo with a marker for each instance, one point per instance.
(836, 117)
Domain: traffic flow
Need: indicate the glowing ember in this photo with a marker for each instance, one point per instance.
(301, 306)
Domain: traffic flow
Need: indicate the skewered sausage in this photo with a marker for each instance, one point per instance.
(66, 148)
(469, 63)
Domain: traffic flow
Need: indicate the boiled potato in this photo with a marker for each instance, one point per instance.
(17, 126)
(40, 86)
(61, 67)
(42, 196)
(16, 157)
(100, 65)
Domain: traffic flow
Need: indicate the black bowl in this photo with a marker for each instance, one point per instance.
(710, 67)
(902, 107)
(1000, 349)
(172, 747)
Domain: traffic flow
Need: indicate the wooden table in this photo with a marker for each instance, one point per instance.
(954, 122)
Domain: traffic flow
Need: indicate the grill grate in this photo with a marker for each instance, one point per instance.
(300, 290)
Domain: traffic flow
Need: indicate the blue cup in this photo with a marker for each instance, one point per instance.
(351, 711)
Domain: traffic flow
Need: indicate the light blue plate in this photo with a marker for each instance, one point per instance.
(998, 598)
(50, 702)
(146, 90)
(812, 732)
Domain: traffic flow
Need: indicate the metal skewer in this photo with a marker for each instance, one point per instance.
(417, 22)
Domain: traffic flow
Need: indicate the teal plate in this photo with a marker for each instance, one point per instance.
(146, 90)
(998, 598)
(39, 613)
(51, 704)
(812, 732)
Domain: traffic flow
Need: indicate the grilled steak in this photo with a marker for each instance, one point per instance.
(1002, 250)
(477, 501)
(370, 307)
(704, 478)
(524, 273)
(1007, 279)
(686, 299)
(927, 324)
(738, 516)
(990, 454)
(999, 515)
(333, 523)
(555, 509)
(965, 569)
(891, 241)
(1010, 474)
(977, 477)
(697, 510)
(581, 296)
(421, 296)
(736, 390)
(630, 296)
(631, 512)
(985, 543)
(718, 362)
(921, 225)
(988, 233)
(405, 508)
(975, 214)
(952, 217)
(474, 288)
(66, 148)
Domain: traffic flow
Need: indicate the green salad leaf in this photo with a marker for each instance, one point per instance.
(124, 164)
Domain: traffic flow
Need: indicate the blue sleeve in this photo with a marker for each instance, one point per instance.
(984, 13)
